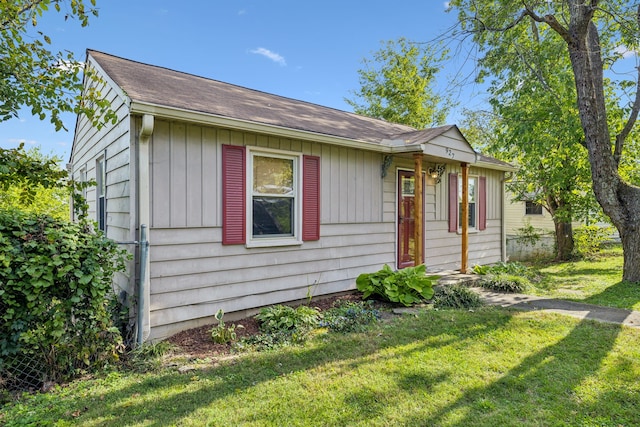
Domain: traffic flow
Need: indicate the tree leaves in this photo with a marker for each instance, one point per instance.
(48, 83)
(397, 85)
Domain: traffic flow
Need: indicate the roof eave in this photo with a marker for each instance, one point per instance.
(172, 113)
(494, 166)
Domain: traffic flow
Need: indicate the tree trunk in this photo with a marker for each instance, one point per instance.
(564, 240)
(631, 250)
(619, 200)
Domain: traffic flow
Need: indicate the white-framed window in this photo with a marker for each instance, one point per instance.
(473, 203)
(101, 194)
(274, 201)
(532, 208)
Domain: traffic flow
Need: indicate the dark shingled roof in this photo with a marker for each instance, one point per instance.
(164, 87)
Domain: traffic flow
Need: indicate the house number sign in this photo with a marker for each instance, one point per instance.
(450, 152)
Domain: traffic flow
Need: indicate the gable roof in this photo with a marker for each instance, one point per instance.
(158, 90)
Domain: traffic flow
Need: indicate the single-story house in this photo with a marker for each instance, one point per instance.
(252, 199)
(521, 214)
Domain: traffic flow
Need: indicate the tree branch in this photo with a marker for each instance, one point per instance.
(26, 8)
(620, 138)
(550, 20)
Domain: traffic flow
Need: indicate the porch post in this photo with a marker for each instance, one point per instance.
(418, 236)
(465, 218)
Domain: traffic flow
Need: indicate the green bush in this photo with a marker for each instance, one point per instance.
(589, 239)
(54, 302)
(514, 268)
(286, 324)
(455, 296)
(504, 282)
(350, 316)
(407, 286)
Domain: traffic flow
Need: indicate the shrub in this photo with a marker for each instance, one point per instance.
(589, 239)
(287, 324)
(503, 282)
(455, 296)
(406, 286)
(349, 316)
(529, 235)
(54, 302)
(513, 268)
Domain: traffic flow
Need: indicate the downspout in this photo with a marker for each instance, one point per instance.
(144, 293)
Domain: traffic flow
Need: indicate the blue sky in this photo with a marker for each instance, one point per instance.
(303, 50)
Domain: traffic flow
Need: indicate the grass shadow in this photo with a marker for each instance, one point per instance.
(168, 398)
(548, 379)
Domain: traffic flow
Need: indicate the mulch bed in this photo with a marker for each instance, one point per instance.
(196, 343)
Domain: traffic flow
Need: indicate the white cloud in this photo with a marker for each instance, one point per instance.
(625, 52)
(277, 58)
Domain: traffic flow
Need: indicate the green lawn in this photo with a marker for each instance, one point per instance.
(487, 367)
(595, 282)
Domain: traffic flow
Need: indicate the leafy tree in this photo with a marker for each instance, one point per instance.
(27, 179)
(30, 181)
(536, 125)
(592, 32)
(397, 85)
(49, 83)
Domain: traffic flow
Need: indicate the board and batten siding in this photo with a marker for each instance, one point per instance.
(193, 274)
(113, 143)
(443, 248)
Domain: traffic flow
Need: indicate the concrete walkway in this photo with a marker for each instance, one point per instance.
(570, 308)
(531, 302)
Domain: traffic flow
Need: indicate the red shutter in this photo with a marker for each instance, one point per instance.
(453, 202)
(482, 203)
(233, 195)
(310, 198)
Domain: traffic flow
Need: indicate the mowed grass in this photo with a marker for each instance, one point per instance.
(489, 367)
(597, 281)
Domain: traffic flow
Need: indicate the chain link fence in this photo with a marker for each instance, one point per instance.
(20, 370)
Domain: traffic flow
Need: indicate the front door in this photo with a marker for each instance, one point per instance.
(406, 219)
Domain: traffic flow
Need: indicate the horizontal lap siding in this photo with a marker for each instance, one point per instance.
(193, 274)
(114, 142)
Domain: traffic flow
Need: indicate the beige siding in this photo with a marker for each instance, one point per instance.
(193, 274)
(442, 248)
(114, 143)
(185, 170)
(516, 217)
